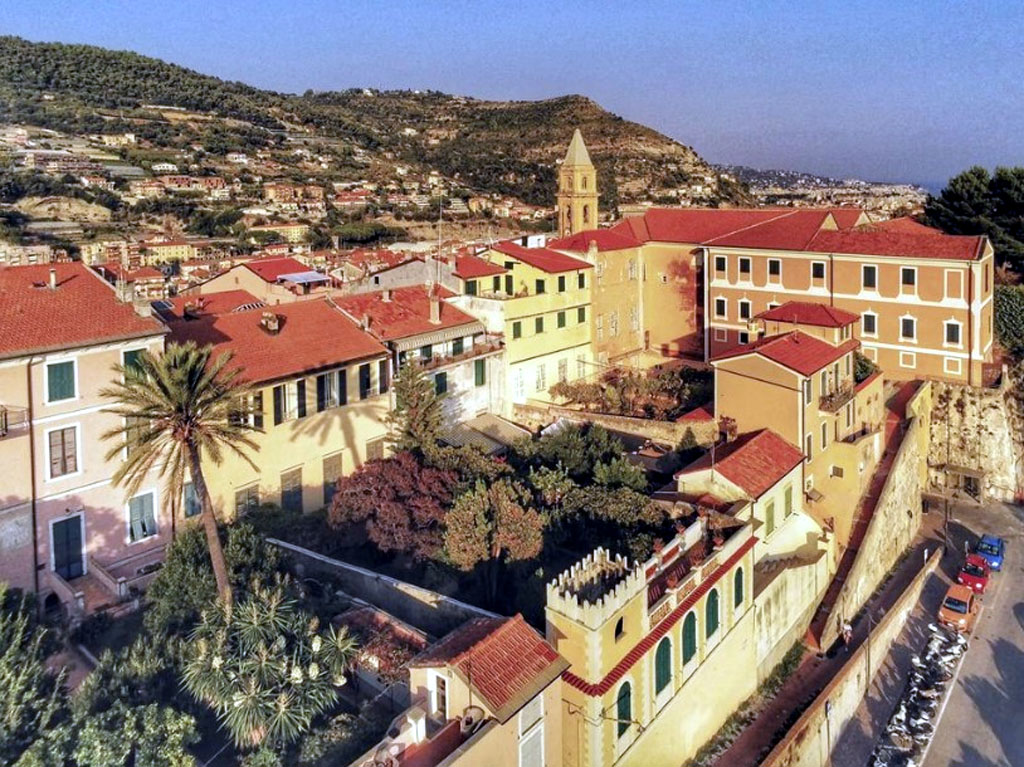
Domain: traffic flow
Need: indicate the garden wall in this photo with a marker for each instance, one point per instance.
(810, 741)
(434, 613)
(671, 433)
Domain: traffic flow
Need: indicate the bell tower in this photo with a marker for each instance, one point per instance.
(577, 189)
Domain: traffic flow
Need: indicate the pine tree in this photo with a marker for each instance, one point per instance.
(415, 423)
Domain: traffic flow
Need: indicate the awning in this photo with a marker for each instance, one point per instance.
(300, 278)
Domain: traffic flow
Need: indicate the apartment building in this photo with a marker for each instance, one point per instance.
(165, 251)
(320, 396)
(273, 280)
(288, 232)
(66, 532)
(465, 362)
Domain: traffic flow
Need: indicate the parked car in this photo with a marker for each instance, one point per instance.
(974, 573)
(959, 609)
(992, 549)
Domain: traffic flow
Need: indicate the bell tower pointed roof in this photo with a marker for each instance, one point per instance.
(577, 153)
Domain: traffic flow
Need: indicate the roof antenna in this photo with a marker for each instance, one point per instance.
(440, 209)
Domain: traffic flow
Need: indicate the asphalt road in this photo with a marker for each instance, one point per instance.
(983, 723)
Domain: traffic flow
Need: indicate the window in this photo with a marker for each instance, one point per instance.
(440, 383)
(496, 283)
(737, 587)
(744, 309)
(538, 325)
(332, 473)
(769, 518)
(300, 398)
(561, 283)
(662, 665)
(561, 319)
(744, 337)
(563, 371)
(581, 314)
(720, 264)
(631, 269)
(375, 449)
(624, 709)
(807, 391)
(517, 329)
(581, 280)
(343, 387)
(689, 637)
(869, 323)
(246, 499)
(720, 308)
(808, 446)
(427, 352)
(291, 490)
(711, 614)
(818, 270)
(63, 445)
(458, 346)
(744, 268)
(952, 333)
(774, 269)
(908, 360)
(823, 385)
(531, 746)
(440, 697)
(60, 381)
(382, 375)
(539, 287)
(634, 318)
(510, 288)
(788, 502)
(908, 329)
(586, 211)
(542, 379)
(581, 366)
(613, 324)
(721, 335)
(824, 435)
(869, 277)
(130, 360)
(908, 278)
(141, 517)
(530, 714)
(952, 366)
(480, 372)
(191, 505)
(836, 471)
(364, 381)
(470, 287)
(619, 629)
(135, 429)
(326, 391)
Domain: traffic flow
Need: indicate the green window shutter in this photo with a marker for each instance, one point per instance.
(789, 500)
(321, 393)
(458, 346)
(561, 283)
(257, 410)
(769, 517)
(470, 287)
(426, 352)
(581, 314)
(364, 381)
(60, 381)
(624, 709)
(480, 372)
(540, 287)
(332, 473)
(291, 490)
(131, 360)
(711, 614)
(517, 329)
(141, 518)
(342, 387)
(689, 637)
(496, 284)
(738, 587)
(538, 324)
(441, 383)
(662, 665)
(191, 505)
(278, 404)
(300, 398)
(383, 380)
(561, 319)
(581, 281)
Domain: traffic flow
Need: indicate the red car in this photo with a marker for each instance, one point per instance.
(974, 573)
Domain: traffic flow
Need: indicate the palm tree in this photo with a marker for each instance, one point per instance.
(175, 408)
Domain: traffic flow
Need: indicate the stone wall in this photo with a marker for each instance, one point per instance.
(538, 415)
(979, 429)
(427, 610)
(810, 741)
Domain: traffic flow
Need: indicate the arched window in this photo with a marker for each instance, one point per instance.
(624, 709)
(662, 665)
(738, 587)
(586, 214)
(618, 629)
(583, 182)
(711, 614)
(689, 636)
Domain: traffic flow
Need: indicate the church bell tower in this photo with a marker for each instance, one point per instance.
(577, 189)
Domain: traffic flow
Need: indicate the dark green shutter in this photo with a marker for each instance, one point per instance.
(480, 372)
(624, 708)
(300, 398)
(470, 287)
(662, 665)
(689, 637)
(257, 410)
(321, 393)
(711, 614)
(60, 381)
(738, 587)
(343, 387)
(278, 404)
(581, 314)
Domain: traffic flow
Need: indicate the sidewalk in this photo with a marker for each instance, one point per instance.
(815, 672)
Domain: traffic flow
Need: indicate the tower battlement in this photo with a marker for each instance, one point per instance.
(595, 588)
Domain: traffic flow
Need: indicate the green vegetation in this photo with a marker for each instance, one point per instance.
(1009, 318)
(863, 368)
(661, 395)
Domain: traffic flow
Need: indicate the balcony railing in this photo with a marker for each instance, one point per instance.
(833, 401)
(12, 420)
(492, 344)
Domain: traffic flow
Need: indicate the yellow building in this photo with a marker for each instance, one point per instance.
(320, 399)
(163, 251)
(288, 232)
(543, 309)
(576, 206)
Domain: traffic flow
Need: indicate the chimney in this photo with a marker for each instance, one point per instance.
(53, 278)
(385, 295)
(592, 251)
(271, 323)
(435, 309)
(366, 322)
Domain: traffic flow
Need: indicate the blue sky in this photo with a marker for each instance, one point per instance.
(898, 89)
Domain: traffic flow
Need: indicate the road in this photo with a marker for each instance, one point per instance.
(982, 723)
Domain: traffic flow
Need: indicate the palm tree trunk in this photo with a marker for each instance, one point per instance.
(220, 565)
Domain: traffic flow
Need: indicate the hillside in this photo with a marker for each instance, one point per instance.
(491, 146)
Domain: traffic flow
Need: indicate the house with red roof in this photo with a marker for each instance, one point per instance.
(320, 395)
(142, 283)
(67, 532)
(419, 326)
(272, 279)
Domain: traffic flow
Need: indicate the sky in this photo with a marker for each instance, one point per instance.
(898, 90)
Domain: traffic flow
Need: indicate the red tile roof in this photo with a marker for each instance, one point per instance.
(504, 660)
(792, 230)
(809, 313)
(471, 267)
(269, 269)
(118, 272)
(754, 461)
(605, 239)
(207, 304)
(697, 225)
(882, 242)
(794, 350)
(546, 260)
(645, 645)
(406, 314)
(83, 310)
(846, 218)
(905, 224)
(313, 335)
(705, 412)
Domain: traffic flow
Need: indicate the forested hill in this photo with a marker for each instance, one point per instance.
(506, 147)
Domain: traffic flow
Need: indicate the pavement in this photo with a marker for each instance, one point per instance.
(981, 725)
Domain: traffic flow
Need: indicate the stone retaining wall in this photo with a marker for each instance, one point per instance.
(537, 415)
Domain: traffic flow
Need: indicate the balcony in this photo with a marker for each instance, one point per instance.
(13, 420)
(834, 401)
(492, 343)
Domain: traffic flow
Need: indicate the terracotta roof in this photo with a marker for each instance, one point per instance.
(505, 661)
(605, 239)
(809, 313)
(846, 218)
(794, 350)
(207, 304)
(793, 230)
(753, 462)
(117, 271)
(698, 225)
(269, 269)
(905, 224)
(883, 242)
(645, 645)
(83, 310)
(541, 258)
(313, 335)
(471, 267)
(406, 314)
(705, 412)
